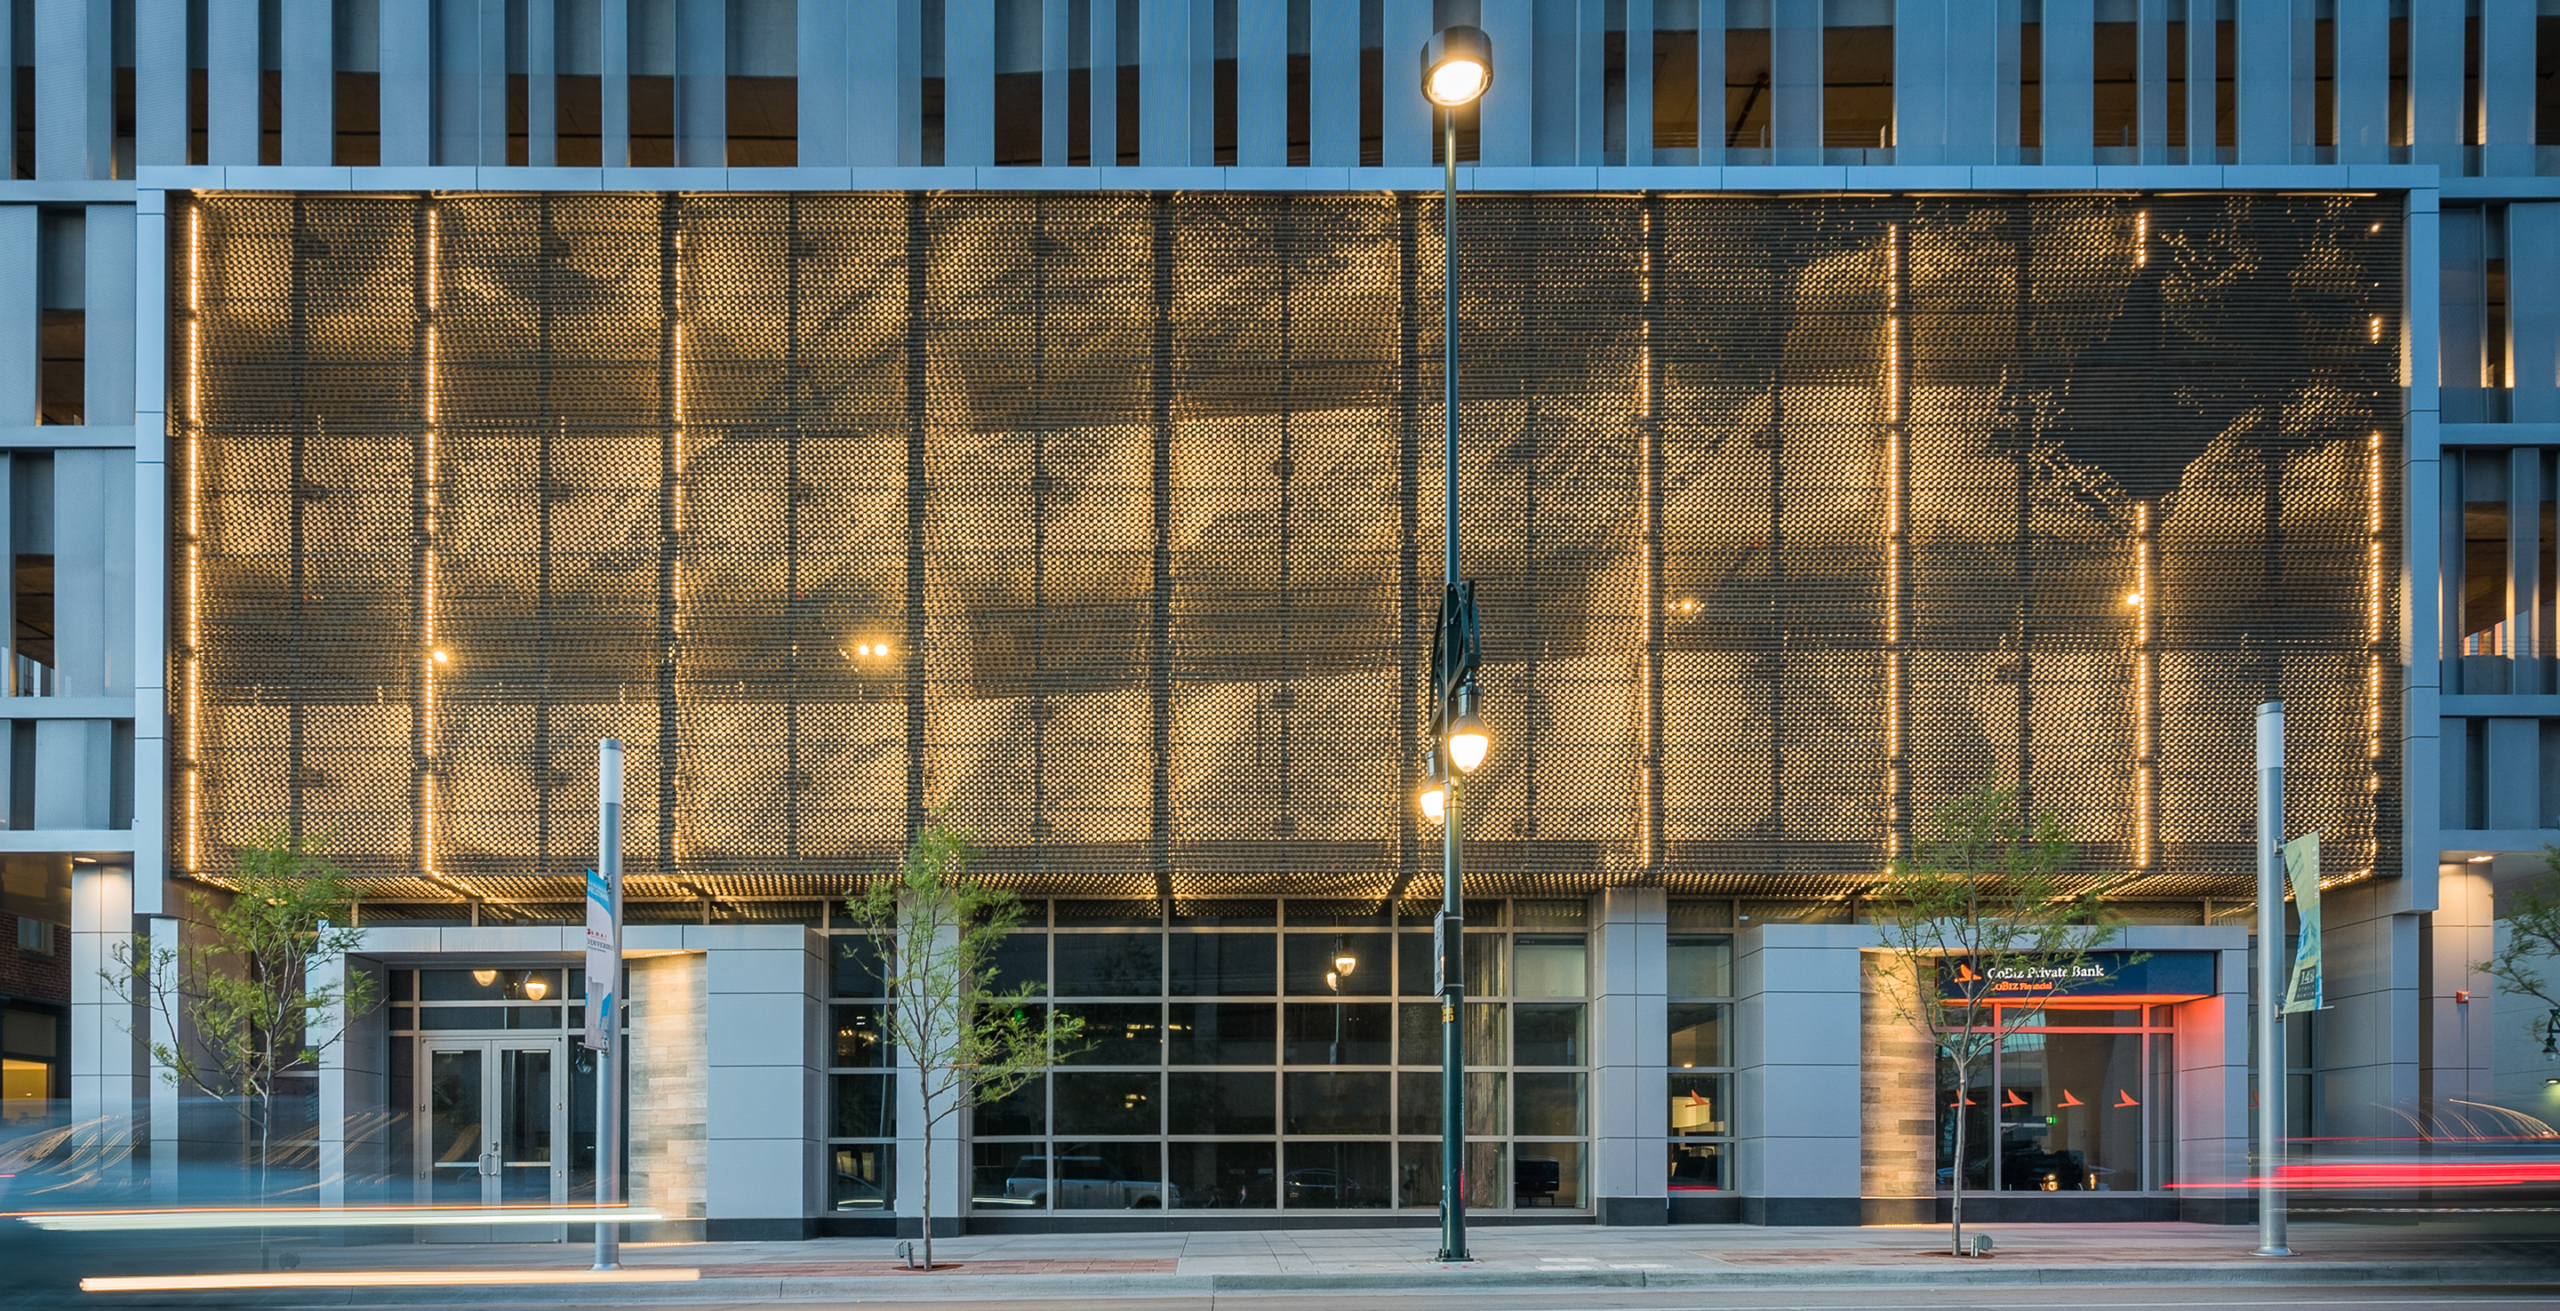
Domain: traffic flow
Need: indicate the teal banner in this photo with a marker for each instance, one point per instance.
(2302, 869)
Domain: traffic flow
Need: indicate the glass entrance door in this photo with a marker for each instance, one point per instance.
(495, 1112)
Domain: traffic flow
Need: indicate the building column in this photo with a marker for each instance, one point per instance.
(164, 1083)
(763, 1006)
(2457, 1057)
(1631, 1050)
(2365, 1046)
(105, 1067)
(1796, 1073)
(2212, 1054)
(667, 1088)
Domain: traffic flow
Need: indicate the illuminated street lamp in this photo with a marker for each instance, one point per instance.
(1457, 66)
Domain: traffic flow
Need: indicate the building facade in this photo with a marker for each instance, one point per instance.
(1860, 399)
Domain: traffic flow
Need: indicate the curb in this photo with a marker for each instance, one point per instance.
(1000, 1288)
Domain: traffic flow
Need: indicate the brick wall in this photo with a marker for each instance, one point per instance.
(26, 974)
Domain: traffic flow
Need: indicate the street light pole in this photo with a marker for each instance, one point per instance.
(1457, 66)
(1453, 1056)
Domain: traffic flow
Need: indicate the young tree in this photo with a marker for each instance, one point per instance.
(242, 1006)
(1979, 902)
(2533, 941)
(969, 1041)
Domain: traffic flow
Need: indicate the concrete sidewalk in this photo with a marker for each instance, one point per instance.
(2472, 1249)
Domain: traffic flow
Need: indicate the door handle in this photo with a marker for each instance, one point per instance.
(488, 1164)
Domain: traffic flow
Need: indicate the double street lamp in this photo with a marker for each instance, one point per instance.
(1457, 66)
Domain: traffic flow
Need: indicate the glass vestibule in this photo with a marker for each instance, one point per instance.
(2075, 1099)
(500, 1093)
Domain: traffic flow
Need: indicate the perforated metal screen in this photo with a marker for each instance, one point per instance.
(1110, 522)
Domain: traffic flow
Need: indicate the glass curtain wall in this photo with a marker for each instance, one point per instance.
(1270, 1054)
(1699, 988)
(862, 1102)
(2075, 1100)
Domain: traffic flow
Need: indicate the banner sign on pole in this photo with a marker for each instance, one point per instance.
(2302, 869)
(604, 958)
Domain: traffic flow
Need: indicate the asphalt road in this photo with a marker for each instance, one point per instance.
(2329, 1297)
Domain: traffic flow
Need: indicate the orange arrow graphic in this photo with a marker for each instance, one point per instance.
(2014, 1099)
(2127, 1100)
(2069, 1100)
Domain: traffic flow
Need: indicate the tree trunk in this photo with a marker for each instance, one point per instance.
(1955, 1211)
(928, 1177)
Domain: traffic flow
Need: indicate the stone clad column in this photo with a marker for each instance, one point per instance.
(1897, 1101)
(1629, 1042)
(669, 1090)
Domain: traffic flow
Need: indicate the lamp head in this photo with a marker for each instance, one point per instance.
(1467, 740)
(1457, 65)
(484, 977)
(536, 988)
(1434, 796)
(1344, 962)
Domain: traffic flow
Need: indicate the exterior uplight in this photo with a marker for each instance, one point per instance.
(1457, 66)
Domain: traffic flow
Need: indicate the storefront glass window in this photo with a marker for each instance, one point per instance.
(1284, 1054)
(2074, 1101)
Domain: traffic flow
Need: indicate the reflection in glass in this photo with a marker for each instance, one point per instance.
(1418, 1033)
(861, 966)
(1222, 1103)
(1418, 1174)
(1118, 1034)
(1546, 1104)
(489, 985)
(1698, 1035)
(1482, 1022)
(1418, 1102)
(2071, 1112)
(1335, 1176)
(1548, 1034)
(454, 1145)
(1110, 1177)
(1110, 964)
(860, 1042)
(1225, 1174)
(1335, 1033)
(863, 1176)
(1546, 1174)
(864, 1106)
(1090, 1103)
(1700, 966)
(1698, 1106)
(1007, 1176)
(525, 1102)
(1022, 958)
(1223, 964)
(1975, 1103)
(1413, 965)
(1111, 914)
(1549, 965)
(1483, 965)
(1697, 1168)
(1025, 1110)
(1208, 1033)
(1335, 1103)
(1310, 960)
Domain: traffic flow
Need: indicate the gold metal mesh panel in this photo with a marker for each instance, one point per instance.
(1110, 522)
